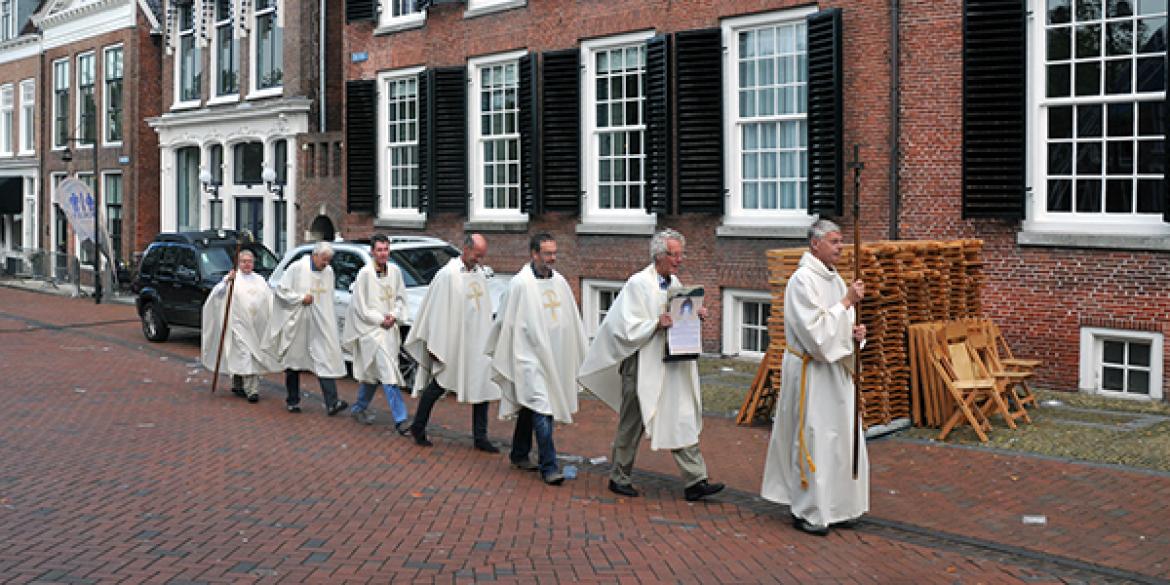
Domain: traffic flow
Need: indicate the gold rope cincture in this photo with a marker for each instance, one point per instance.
(805, 456)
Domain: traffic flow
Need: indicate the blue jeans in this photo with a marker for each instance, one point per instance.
(527, 423)
(393, 399)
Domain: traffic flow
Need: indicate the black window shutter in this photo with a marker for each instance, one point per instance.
(825, 121)
(658, 135)
(448, 132)
(358, 10)
(699, 120)
(994, 56)
(560, 123)
(426, 142)
(529, 115)
(1166, 144)
(361, 145)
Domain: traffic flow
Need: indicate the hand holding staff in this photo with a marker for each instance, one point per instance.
(227, 311)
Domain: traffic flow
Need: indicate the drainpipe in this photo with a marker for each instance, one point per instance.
(321, 70)
(895, 116)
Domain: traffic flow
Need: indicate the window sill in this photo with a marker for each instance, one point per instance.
(179, 106)
(117, 144)
(27, 153)
(493, 8)
(496, 226)
(615, 229)
(403, 223)
(224, 99)
(402, 23)
(265, 93)
(1095, 241)
(778, 232)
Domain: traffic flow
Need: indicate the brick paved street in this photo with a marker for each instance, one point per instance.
(119, 466)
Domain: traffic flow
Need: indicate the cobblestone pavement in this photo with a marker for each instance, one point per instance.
(120, 466)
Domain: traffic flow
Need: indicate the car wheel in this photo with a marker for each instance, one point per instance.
(153, 326)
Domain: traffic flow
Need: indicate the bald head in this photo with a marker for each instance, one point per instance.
(475, 249)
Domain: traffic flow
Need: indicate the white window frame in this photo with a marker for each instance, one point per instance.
(8, 16)
(216, 97)
(254, 92)
(29, 238)
(64, 65)
(474, 137)
(733, 300)
(28, 108)
(591, 301)
(8, 119)
(736, 215)
(481, 7)
(104, 125)
(388, 22)
(385, 211)
(1092, 340)
(106, 207)
(77, 103)
(178, 102)
(591, 212)
(1038, 219)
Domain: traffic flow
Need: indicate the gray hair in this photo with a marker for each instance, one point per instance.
(658, 242)
(323, 249)
(820, 229)
(245, 251)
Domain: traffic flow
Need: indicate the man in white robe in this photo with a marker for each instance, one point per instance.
(302, 333)
(243, 354)
(625, 368)
(371, 334)
(809, 462)
(448, 339)
(537, 344)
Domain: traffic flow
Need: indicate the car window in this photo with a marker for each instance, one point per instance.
(150, 260)
(168, 260)
(265, 260)
(345, 268)
(185, 266)
(419, 265)
(214, 261)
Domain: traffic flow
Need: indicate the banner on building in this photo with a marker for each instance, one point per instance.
(76, 199)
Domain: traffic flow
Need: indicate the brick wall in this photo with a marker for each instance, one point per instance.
(1041, 296)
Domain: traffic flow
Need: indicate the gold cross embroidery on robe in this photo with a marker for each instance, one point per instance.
(552, 305)
(476, 292)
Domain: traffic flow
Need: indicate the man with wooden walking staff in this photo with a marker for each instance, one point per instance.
(235, 318)
(808, 462)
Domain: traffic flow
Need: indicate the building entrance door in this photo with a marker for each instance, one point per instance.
(250, 216)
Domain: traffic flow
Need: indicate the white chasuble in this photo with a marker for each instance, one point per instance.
(375, 348)
(818, 326)
(449, 336)
(668, 392)
(243, 347)
(304, 337)
(537, 344)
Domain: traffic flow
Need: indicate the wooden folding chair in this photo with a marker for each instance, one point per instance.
(1008, 384)
(1009, 363)
(967, 366)
(969, 393)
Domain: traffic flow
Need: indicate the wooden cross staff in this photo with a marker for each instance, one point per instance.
(857, 166)
(228, 311)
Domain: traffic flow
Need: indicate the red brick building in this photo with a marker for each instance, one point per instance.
(19, 164)
(1038, 126)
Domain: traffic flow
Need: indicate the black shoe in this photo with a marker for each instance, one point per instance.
(337, 407)
(525, 465)
(701, 490)
(403, 428)
(805, 526)
(623, 489)
(254, 398)
(486, 446)
(554, 478)
(420, 438)
(294, 408)
(239, 392)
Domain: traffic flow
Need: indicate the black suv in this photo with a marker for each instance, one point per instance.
(179, 270)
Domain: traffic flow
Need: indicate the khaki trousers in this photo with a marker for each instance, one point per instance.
(629, 434)
(250, 384)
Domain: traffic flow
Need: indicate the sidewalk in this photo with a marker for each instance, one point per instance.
(938, 513)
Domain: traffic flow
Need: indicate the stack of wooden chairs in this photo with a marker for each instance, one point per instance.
(965, 374)
(907, 282)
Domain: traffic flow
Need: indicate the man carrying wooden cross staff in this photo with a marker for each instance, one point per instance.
(809, 456)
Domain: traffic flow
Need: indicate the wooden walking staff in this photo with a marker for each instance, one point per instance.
(856, 165)
(228, 311)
